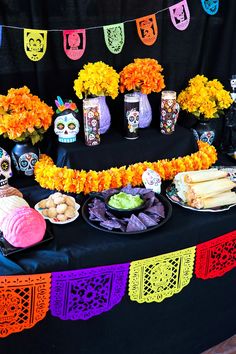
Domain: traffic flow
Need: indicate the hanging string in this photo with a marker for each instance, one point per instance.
(87, 29)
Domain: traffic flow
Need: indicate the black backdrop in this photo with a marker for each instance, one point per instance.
(207, 46)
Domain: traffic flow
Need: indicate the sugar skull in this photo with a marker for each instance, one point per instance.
(133, 120)
(74, 40)
(179, 13)
(5, 167)
(66, 126)
(152, 180)
(35, 43)
(26, 163)
(10, 307)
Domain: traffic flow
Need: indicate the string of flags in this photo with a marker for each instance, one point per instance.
(74, 40)
(84, 293)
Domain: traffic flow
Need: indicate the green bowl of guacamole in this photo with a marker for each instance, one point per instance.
(124, 205)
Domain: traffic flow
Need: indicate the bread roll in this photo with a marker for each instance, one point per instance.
(23, 227)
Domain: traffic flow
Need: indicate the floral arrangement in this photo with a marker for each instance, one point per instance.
(97, 79)
(204, 98)
(142, 75)
(23, 115)
(74, 181)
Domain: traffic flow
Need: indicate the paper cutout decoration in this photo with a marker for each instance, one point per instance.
(24, 301)
(147, 29)
(180, 15)
(114, 37)
(35, 43)
(210, 6)
(216, 257)
(74, 43)
(85, 293)
(156, 278)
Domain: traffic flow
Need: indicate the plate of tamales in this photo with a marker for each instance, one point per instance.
(212, 190)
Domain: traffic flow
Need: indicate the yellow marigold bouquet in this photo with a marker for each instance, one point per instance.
(142, 75)
(23, 115)
(204, 98)
(97, 79)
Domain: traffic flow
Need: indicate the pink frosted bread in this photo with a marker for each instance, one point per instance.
(7, 204)
(23, 227)
(7, 191)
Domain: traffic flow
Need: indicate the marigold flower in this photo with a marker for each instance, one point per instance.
(204, 98)
(97, 79)
(74, 181)
(23, 115)
(143, 75)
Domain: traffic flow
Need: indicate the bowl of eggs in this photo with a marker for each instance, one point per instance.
(58, 208)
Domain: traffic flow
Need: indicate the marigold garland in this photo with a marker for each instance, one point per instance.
(74, 181)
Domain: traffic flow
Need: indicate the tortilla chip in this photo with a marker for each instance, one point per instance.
(135, 224)
(147, 220)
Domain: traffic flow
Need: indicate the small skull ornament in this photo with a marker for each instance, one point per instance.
(10, 307)
(5, 167)
(66, 126)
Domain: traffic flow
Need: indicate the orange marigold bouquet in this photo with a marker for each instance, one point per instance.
(23, 115)
(142, 75)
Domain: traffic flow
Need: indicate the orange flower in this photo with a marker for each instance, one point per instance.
(143, 75)
(68, 180)
(23, 115)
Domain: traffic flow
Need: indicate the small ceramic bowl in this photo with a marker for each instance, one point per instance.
(124, 213)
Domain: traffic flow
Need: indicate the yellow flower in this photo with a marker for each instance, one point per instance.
(97, 79)
(204, 98)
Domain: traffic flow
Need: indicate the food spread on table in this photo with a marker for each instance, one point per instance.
(151, 216)
(205, 189)
(58, 208)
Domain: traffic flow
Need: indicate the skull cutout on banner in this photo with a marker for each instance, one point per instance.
(74, 43)
(180, 15)
(210, 6)
(5, 167)
(35, 43)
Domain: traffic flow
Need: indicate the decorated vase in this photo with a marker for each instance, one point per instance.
(24, 156)
(145, 110)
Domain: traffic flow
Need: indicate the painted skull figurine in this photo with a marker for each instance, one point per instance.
(5, 167)
(66, 125)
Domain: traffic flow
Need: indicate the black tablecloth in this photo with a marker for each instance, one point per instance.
(115, 150)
